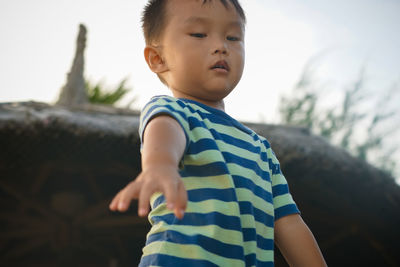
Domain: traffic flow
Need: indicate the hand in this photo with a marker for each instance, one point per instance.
(163, 146)
(164, 179)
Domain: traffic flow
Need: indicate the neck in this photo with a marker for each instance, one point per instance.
(219, 104)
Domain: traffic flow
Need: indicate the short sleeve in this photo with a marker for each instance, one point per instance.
(282, 199)
(163, 105)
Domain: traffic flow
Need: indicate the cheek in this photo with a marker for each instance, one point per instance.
(240, 59)
(191, 61)
(178, 62)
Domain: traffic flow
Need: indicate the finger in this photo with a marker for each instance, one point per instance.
(180, 201)
(170, 191)
(124, 198)
(114, 202)
(130, 192)
(144, 199)
(176, 197)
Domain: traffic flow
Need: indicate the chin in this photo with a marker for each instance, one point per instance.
(217, 94)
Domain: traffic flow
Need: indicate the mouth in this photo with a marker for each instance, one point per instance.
(221, 65)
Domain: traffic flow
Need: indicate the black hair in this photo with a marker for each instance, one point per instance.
(153, 17)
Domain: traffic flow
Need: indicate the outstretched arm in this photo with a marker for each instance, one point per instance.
(163, 146)
(296, 242)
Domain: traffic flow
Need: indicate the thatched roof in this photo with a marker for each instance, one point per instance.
(60, 167)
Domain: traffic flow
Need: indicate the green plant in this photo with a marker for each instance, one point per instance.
(98, 94)
(352, 123)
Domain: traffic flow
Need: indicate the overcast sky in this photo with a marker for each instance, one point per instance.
(38, 43)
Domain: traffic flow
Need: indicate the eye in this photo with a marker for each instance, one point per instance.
(232, 38)
(198, 35)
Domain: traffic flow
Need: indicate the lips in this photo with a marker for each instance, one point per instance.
(220, 65)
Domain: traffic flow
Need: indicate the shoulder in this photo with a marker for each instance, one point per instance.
(159, 101)
(165, 105)
(168, 103)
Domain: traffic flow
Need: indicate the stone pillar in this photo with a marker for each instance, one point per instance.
(73, 93)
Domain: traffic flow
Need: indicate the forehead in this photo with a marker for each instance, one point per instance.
(195, 11)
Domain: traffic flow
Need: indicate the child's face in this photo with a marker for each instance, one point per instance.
(203, 49)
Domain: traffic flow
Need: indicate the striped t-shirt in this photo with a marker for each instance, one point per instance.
(235, 193)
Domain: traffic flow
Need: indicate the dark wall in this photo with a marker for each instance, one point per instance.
(56, 182)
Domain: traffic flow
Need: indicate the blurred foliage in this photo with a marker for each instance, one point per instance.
(351, 122)
(99, 94)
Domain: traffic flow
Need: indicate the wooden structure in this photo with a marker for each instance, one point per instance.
(60, 167)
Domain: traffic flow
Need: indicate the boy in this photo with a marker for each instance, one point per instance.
(217, 193)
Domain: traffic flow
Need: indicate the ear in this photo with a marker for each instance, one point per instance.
(153, 57)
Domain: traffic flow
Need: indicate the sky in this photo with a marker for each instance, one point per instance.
(38, 43)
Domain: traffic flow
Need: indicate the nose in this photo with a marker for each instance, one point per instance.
(220, 51)
(220, 47)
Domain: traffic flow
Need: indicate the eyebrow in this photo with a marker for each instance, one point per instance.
(201, 20)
